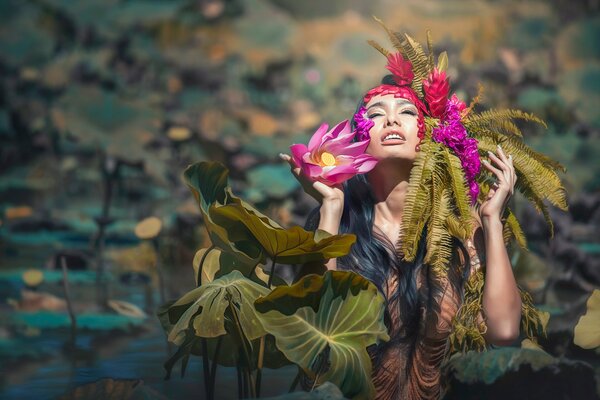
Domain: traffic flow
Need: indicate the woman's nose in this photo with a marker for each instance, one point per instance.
(391, 119)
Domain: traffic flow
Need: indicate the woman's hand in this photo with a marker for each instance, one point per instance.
(331, 196)
(502, 189)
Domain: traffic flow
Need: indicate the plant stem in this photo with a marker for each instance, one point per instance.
(245, 382)
(63, 265)
(213, 370)
(249, 383)
(205, 367)
(239, 380)
(272, 272)
(261, 354)
(161, 279)
(295, 381)
(245, 349)
(199, 277)
(315, 381)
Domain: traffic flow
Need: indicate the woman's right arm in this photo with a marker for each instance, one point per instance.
(331, 199)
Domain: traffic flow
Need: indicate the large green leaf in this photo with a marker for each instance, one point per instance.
(289, 246)
(208, 183)
(337, 316)
(587, 330)
(207, 180)
(205, 308)
(237, 227)
(218, 263)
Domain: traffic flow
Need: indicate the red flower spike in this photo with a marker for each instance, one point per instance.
(436, 88)
(400, 68)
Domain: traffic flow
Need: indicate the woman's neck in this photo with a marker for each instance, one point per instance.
(389, 182)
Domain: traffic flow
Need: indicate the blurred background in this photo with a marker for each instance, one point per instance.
(103, 103)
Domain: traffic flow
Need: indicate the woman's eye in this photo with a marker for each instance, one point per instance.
(410, 112)
(374, 115)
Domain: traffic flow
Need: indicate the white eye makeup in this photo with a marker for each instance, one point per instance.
(379, 108)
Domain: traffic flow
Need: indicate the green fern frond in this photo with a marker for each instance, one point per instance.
(439, 241)
(498, 138)
(379, 48)
(544, 181)
(458, 183)
(514, 229)
(430, 49)
(418, 201)
(411, 50)
(397, 43)
(532, 324)
(467, 331)
(467, 328)
(476, 100)
(419, 60)
(500, 126)
(508, 114)
(456, 227)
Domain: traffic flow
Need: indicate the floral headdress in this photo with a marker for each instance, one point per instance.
(446, 179)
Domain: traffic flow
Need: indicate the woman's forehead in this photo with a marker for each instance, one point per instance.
(387, 100)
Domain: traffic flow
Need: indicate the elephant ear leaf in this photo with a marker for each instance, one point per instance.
(336, 316)
(206, 305)
(288, 246)
(587, 330)
(208, 183)
(207, 180)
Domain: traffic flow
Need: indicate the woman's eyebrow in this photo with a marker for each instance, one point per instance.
(378, 104)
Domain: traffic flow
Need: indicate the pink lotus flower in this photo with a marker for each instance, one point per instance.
(331, 156)
(400, 68)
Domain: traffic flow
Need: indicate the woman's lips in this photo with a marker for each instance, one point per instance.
(393, 142)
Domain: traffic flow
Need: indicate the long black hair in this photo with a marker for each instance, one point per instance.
(374, 257)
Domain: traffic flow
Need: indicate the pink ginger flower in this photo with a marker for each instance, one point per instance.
(436, 88)
(331, 156)
(400, 68)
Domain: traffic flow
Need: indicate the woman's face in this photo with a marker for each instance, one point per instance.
(395, 133)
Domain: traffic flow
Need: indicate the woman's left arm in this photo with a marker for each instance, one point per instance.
(501, 296)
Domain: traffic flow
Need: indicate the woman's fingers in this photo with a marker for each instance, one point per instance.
(499, 173)
(295, 170)
(498, 161)
(508, 161)
(506, 165)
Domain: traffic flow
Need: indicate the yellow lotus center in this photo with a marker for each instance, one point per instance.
(327, 159)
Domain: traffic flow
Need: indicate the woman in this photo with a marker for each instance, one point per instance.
(420, 304)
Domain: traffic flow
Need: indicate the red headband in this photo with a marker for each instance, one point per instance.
(404, 92)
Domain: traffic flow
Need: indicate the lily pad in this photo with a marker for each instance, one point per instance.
(488, 366)
(587, 330)
(511, 372)
(336, 316)
(95, 322)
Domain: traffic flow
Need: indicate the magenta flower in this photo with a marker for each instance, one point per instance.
(453, 134)
(363, 124)
(331, 156)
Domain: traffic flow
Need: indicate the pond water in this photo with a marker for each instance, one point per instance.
(39, 366)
